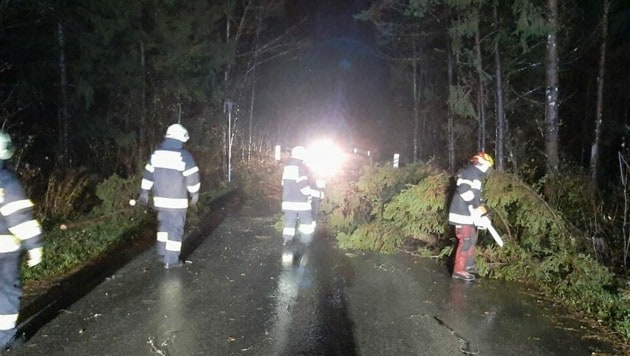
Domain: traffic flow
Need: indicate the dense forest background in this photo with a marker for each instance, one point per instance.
(88, 87)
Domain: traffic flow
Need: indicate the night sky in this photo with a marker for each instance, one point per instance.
(334, 89)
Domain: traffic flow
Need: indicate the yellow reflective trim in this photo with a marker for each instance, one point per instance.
(8, 321)
(290, 173)
(467, 195)
(9, 243)
(162, 236)
(296, 206)
(191, 171)
(168, 160)
(474, 184)
(306, 228)
(173, 203)
(194, 188)
(14, 206)
(146, 184)
(26, 230)
(173, 246)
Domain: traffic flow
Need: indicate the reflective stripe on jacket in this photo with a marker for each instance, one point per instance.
(467, 195)
(172, 174)
(18, 227)
(296, 191)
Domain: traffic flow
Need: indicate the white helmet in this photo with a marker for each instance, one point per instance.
(177, 132)
(299, 152)
(6, 146)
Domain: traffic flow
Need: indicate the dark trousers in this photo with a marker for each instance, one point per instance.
(304, 222)
(10, 292)
(170, 234)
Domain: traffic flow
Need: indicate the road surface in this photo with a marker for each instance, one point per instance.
(235, 298)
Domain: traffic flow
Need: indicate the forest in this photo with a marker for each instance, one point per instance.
(87, 89)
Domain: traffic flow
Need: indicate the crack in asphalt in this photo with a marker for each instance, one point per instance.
(464, 345)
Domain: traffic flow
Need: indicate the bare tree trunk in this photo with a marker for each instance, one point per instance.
(415, 101)
(552, 120)
(451, 134)
(480, 92)
(500, 137)
(253, 93)
(63, 116)
(600, 95)
(143, 109)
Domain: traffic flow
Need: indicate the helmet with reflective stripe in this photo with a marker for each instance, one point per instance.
(178, 132)
(6, 146)
(482, 158)
(299, 152)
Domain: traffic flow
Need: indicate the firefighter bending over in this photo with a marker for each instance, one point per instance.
(466, 212)
(296, 207)
(172, 175)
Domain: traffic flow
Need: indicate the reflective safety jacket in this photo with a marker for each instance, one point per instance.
(18, 228)
(172, 174)
(467, 196)
(296, 192)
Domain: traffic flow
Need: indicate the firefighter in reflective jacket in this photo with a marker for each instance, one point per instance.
(18, 230)
(296, 207)
(465, 213)
(172, 175)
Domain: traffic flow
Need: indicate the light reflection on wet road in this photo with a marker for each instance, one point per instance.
(236, 299)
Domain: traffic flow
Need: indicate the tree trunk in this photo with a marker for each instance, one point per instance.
(480, 92)
(253, 92)
(415, 102)
(552, 121)
(451, 134)
(600, 95)
(63, 116)
(500, 137)
(143, 109)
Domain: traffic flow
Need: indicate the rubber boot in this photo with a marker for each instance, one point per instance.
(288, 253)
(459, 268)
(470, 261)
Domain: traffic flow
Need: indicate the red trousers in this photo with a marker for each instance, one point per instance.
(465, 253)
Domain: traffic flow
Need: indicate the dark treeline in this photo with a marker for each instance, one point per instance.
(91, 85)
(95, 83)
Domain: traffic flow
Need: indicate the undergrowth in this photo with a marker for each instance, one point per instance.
(384, 208)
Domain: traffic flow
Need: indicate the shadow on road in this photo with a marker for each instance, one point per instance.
(44, 308)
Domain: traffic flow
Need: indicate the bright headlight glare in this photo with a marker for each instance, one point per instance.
(324, 158)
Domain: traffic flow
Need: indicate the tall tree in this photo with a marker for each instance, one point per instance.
(600, 94)
(552, 104)
(64, 115)
(499, 102)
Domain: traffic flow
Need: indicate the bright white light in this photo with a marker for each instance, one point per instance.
(324, 158)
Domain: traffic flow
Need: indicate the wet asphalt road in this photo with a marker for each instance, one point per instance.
(236, 299)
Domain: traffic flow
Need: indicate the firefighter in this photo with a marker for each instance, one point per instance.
(172, 176)
(466, 212)
(19, 230)
(296, 207)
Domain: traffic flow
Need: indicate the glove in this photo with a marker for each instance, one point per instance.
(477, 214)
(194, 198)
(35, 256)
(144, 197)
(320, 183)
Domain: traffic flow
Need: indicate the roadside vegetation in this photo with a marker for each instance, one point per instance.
(568, 245)
(85, 220)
